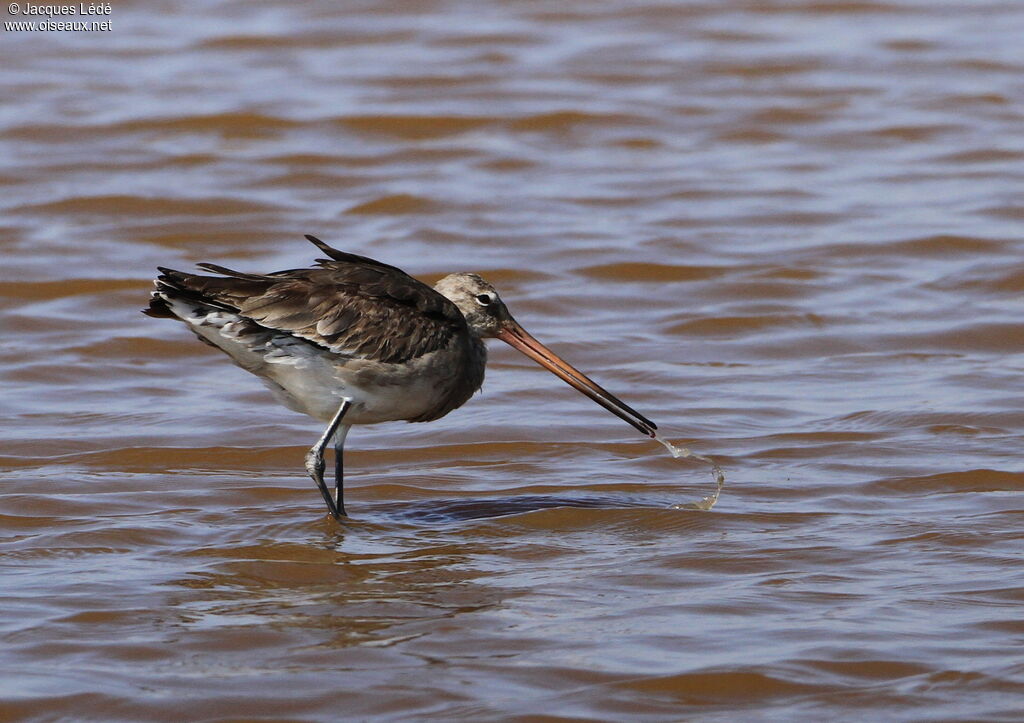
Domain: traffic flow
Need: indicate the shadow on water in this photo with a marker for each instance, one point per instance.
(447, 511)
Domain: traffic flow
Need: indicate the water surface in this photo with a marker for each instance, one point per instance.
(786, 231)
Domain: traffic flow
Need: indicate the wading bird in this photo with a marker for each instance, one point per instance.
(355, 341)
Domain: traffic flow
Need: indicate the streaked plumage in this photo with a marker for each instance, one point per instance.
(356, 341)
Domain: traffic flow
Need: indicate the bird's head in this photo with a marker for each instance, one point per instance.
(478, 301)
(488, 317)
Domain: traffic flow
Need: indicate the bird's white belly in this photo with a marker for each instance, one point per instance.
(378, 392)
(314, 381)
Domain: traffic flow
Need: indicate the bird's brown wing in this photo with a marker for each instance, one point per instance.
(350, 304)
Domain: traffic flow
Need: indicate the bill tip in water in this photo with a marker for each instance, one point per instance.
(706, 503)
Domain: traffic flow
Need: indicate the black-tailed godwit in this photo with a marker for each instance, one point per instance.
(355, 341)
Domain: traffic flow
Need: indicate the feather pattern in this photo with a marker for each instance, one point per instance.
(349, 305)
(350, 327)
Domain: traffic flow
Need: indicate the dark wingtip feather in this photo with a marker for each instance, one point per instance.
(158, 308)
(170, 277)
(348, 258)
(333, 253)
(225, 271)
(177, 285)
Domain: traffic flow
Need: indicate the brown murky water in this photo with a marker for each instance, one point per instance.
(788, 231)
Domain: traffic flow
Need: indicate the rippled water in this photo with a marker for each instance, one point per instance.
(788, 231)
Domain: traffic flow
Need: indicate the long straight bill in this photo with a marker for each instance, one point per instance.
(517, 337)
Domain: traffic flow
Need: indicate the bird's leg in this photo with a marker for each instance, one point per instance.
(339, 465)
(315, 458)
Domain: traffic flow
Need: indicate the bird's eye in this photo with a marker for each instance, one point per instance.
(484, 299)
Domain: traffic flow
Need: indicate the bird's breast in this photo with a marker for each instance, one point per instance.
(415, 390)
